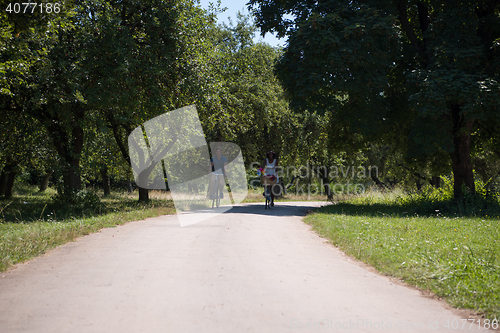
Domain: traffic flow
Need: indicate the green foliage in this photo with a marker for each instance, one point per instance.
(419, 76)
(99, 63)
(433, 201)
(251, 110)
(85, 79)
(79, 202)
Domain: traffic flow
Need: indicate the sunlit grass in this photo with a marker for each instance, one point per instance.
(458, 258)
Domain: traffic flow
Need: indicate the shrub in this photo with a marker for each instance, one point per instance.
(432, 201)
(78, 201)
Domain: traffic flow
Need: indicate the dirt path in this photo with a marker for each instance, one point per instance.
(248, 270)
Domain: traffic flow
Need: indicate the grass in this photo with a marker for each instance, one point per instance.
(456, 257)
(31, 224)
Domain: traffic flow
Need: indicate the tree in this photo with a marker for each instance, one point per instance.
(23, 140)
(369, 62)
(253, 112)
(177, 67)
(115, 60)
(101, 156)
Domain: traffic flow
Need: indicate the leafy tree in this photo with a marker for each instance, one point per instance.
(180, 67)
(28, 17)
(253, 111)
(101, 156)
(118, 60)
(23, 140)
(371, 62)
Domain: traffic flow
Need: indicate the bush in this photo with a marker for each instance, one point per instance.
(432, 201)
(78, 201)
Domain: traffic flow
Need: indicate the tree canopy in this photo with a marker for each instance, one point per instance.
(373, 63)
(408, 86)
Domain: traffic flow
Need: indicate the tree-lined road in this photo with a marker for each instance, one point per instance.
(248, 270)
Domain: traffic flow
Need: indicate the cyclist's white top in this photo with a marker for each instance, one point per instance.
(271, 169)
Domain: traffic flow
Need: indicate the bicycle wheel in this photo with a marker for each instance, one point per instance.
(215, 200)
(268, 198)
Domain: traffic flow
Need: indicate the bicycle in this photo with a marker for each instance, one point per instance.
(268, 184)
(268, 197)
(215, 193)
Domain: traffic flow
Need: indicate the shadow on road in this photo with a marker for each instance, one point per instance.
(194, 217)
(280, 208)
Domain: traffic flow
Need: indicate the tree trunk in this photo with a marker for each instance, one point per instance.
(10, 184)
(418, 183)
(71, 176)
(121, 142)
(326, 182)
(380, 184)
(436, 181)
(105, 180)
(45, 181)
(143, 194)
(460, 157)
(6, 181)
(142, 183)
(69, 146)
(3, 182)
(328, 190)
(418, 180)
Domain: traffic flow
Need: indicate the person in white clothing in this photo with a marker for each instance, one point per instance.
(218, 164)
(271, 163)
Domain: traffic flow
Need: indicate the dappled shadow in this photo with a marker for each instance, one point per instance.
(280, 208)
(449, 208)
(372, 210)
(28, 209)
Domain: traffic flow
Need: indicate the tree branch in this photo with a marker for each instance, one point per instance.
(423, 18)
(405, 25)
(118, 139)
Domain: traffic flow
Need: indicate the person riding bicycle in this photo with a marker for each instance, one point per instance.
(271, 163)
(218, 164)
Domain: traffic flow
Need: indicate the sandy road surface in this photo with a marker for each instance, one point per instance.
(248, 270)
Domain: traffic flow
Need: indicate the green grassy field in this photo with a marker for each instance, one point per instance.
(456, 257)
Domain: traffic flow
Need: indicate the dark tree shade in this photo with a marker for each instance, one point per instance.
(371, 64)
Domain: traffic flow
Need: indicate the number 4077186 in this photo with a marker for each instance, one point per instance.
(485, 323)
(32, 7)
